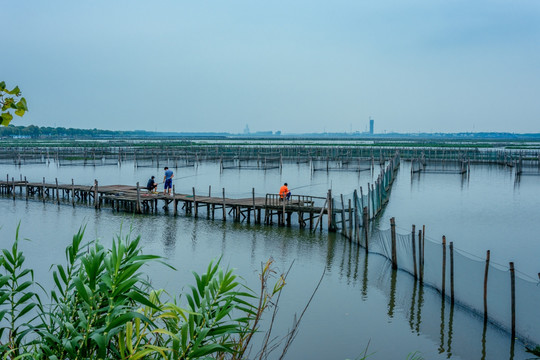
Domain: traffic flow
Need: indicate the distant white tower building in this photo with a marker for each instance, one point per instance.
(246, 130)
(371, 124)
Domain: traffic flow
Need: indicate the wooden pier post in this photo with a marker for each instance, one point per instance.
(443, 265)
(57, 192)
(13, 186)
(223, 208)
(73, 193)
(281, 221)
(413, 234)
(27, 188)
(196, 210)
(96, 193)
(253, 205)
(138, 205)
(513, 298)
(208, 205)
(175, 204)
(394, 253)
(329, 202)
(485, 286)
(43, 188)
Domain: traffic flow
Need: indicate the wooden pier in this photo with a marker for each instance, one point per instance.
(136, 199)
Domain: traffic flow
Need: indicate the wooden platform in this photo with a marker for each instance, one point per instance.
(139, 200)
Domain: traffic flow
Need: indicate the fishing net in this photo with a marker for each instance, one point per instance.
(468, 281)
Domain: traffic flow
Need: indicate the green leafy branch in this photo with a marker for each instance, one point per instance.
(11, 101)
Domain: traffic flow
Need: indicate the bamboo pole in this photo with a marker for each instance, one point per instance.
(485, 286)
(27, 188)
(452, 272)
(423, 247)
(343, 227)
(366, 224)
(356, 220)
(420, 252)
(443, 264)
(13, 187)
(413, 235)
(43, 188)
(394, 253)
(350, 221)
(513, 297)
(96, 193)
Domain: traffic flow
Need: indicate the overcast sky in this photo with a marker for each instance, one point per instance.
(294, 66)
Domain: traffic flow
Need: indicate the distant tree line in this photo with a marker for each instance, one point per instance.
(36, 132)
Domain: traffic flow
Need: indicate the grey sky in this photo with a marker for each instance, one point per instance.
(302, 66)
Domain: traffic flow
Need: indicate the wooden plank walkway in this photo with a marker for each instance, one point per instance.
(139, 200)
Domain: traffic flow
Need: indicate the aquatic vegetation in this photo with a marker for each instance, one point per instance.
(103, 307)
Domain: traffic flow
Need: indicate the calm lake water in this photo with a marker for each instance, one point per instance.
(361, 300)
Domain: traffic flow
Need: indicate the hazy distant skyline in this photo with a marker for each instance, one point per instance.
(303, 66)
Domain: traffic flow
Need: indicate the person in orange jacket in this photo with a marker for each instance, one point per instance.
(284, 192)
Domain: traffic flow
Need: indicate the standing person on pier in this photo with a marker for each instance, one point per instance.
(284, 192)
(167, 179)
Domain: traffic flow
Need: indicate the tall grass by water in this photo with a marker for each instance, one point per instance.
(102, 306)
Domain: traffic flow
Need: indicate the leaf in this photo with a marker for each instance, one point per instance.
(209, 349)
(23, 286)
(24, 298)
(81, 289)
(99, 339)
(22, 105)
(15, 91)
(135, 296)
(6, 118)
(142, 354)
(122, 319)
(26, 309)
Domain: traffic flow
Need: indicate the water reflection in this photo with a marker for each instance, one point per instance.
(416, 302)
(169, 236)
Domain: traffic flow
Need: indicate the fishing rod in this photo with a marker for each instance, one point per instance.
(178, 178)
(303, 186)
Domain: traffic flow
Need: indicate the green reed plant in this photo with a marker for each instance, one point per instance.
(16, 299)
(102, 307)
